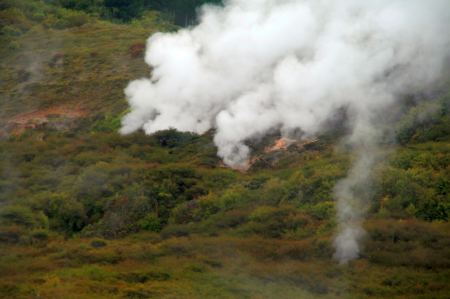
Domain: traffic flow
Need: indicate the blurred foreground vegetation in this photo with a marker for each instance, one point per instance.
(87, 213)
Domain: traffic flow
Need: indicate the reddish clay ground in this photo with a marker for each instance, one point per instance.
(21, 122)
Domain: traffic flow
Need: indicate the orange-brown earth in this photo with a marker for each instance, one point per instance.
(18, 124)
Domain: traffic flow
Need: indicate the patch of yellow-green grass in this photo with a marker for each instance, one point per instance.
(204, 267)
(88, 65)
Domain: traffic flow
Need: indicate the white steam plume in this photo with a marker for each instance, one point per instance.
(257, 65)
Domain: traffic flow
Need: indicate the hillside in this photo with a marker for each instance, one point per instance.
(88, 213)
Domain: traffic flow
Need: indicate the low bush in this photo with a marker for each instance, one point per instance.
(407, 243)
(173, 138)
(143, 277)
(39, 236)
(82, 256)
(151, 223)
(322, 210)
(65, 19)
(19, 215)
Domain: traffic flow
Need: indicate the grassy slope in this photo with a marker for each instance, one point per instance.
(46, 65)
(95, 53)
(262, 234)
(142, 266)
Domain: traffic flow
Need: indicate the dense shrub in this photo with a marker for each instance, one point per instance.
(17, 215)
(10, 31)
(66, 19)
(13, 21)
(416, 184)
(71, 217)
(407, 243)
(150, 223)
(230, 219)
(181, 11)
(322, 210)
(272, 221)
(126, 214)
(429, 120)
(172, 138)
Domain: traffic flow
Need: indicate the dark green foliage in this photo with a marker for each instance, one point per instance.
(416, 184)
(323, 210)
(181, 11)
(434, 210)
(150, 223)
(125, 9)
(71, 217)
(108, 124)
(172, 138)
(269, 221)
(122, 217)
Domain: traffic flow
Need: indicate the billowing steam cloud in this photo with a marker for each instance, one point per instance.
(259, 65)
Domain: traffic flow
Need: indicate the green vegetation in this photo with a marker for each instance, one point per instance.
(87, 213)
(182, 12)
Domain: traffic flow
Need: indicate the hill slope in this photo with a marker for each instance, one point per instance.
(87, 213)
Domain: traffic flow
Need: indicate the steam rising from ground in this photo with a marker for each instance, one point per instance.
(255, 66)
